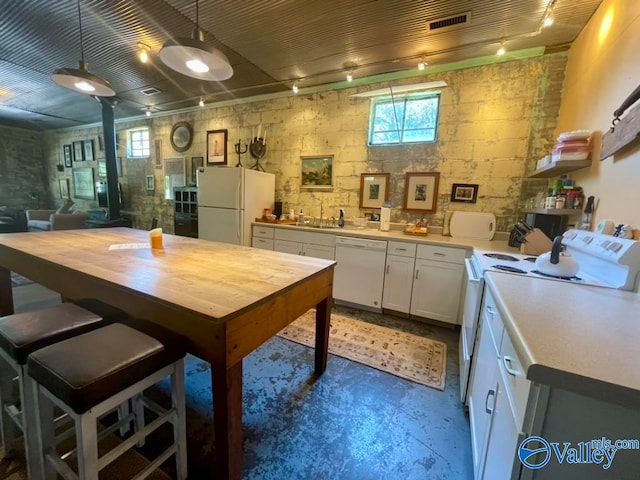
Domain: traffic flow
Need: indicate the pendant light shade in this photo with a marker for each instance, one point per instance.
(192, 57)
(80, 79)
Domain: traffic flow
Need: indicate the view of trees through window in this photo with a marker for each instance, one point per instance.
(404, 120)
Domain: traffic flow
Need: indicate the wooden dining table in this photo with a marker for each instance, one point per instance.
(227, 300)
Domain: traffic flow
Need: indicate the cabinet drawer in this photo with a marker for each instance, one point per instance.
(264, 243)
(516, 384)
(264, 232)
(491, 318)
(441, 254)
(401, 249)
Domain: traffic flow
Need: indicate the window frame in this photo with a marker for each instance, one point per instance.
(130, 151)
(404, 98)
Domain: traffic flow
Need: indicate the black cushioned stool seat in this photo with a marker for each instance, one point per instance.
(89, 374)
(24, 333)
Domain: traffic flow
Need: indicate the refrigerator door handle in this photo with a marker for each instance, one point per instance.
(238, 198)
(238, 233)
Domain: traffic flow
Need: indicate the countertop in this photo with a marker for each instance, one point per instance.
(499, 244)
(579, 338)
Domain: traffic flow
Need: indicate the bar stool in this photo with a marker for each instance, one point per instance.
(24, 333)
(90, 374)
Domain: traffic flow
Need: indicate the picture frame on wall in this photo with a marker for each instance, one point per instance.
(196, 163)
(68, 156)
(102, 167)
(150, 183)
(217, 147)
(464, 192)
(421, 192)
(374, 189)
(83, 183)
(78, 151)
(63, 186)
(88, 150)
(316, 172)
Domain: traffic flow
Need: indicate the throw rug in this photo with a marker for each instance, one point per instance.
(409, 356)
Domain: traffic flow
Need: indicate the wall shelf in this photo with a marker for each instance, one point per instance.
(553, 211)
(559, 168)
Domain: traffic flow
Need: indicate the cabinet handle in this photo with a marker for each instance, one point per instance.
(438, 254)
(506, 360)
(401, 249)
(417, 272)
(490, 393)
(387, 269)
(490, 310)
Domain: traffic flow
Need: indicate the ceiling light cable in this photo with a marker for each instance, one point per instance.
(80, 79)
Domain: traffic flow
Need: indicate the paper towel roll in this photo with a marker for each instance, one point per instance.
(385, 219)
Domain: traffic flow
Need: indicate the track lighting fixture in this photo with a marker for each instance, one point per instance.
(295, 87)
(501, 50)
(548, 14)
(192, 57)
(80, 79)
(148, 112)
(422, 64)
(201, 102)
(350, 76)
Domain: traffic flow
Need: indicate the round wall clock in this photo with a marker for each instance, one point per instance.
(181, 136)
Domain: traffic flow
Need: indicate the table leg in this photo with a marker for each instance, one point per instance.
(227, 413)
(6, 294)
(323, 316)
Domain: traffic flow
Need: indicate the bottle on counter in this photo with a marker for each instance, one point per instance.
(341, 219)
(301, 218)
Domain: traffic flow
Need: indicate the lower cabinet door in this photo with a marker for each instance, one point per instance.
(398, 279)
(503, 439)
(286, 246)
(436, 290)
(319, 251)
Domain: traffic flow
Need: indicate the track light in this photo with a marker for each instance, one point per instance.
(201, 102)
(548, 14)
(148, 112)
(192, 57)
(350, 76)
(143, 52)
(422, 64)
(295, 87)
(80, 79)
(501, 50)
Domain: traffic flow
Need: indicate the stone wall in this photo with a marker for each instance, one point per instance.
(495, 122)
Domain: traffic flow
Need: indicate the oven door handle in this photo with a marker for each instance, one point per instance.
(471, 274)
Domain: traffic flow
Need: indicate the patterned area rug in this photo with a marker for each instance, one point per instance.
(415, 358)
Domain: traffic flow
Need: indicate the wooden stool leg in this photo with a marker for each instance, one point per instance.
(87, 438)
(9, 431)
(179, 425)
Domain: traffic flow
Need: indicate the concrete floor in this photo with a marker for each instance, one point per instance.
(354, 422)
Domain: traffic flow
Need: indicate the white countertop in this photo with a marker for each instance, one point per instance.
(575, 337)
(397, 235)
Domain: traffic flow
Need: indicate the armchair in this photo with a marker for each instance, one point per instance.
(43, 220)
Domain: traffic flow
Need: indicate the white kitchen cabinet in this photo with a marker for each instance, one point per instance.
(310, 244)
(482, 396)
(436, 290)
(262, 237)
(398, 278)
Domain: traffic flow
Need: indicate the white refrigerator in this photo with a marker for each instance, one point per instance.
(229, 199)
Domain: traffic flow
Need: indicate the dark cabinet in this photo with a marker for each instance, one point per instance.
(186, 211)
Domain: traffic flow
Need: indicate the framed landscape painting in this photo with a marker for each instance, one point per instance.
(316, 172)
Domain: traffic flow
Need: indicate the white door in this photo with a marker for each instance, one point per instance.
(436, 290)
(220, 225)
(397, 283)
(220, 187)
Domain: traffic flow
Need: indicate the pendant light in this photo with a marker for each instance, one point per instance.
(80, 79)
(192, 57)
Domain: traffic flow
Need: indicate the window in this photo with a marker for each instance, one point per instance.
(404, 119)
(138, 144)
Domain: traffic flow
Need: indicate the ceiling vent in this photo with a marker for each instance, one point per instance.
(150, 91)
(450, 23)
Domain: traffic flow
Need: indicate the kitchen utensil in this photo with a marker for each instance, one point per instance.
(557, 263)
(479, 226)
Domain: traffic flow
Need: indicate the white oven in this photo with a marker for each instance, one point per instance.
(604, 261)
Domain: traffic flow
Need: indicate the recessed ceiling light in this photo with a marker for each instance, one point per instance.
(143, 52)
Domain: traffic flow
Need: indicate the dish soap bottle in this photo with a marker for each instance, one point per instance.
(301, 218)
(341, 219)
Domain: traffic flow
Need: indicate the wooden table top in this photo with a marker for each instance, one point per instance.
(216, 280)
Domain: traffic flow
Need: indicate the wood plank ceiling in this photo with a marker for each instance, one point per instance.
(270, 44)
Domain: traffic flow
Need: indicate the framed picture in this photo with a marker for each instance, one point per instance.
(63, 183)
(316, 172)
(78, 151)
(68, 155)
(102, 167)
(196, 163)
(374, 189)
(421, 192)
(83, 183)
(151, 183)
(217, 147)
(464, 192)
(88, 150)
